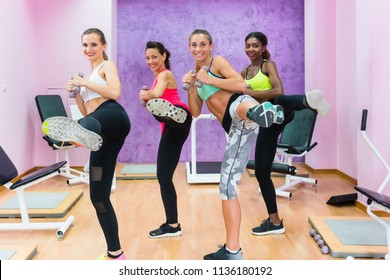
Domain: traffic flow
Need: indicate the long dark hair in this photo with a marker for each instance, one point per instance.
(262, 39)
(161, 49)
(101, 37)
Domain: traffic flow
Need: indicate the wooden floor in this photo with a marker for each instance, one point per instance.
(139, 209)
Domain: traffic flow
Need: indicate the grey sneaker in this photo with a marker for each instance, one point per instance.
(163, 108)
(316, 100)
(268, 227)
(67, 130)
(165, 230)
(223, 254)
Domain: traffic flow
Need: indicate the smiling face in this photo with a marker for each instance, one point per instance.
(254, 49)
(200, 47)
(155, 60)
(93, 48)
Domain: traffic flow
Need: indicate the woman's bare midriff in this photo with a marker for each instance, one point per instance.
(217, 103)
(92, 104)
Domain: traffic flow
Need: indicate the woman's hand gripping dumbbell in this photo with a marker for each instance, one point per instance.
(143, 102)
(76, 89)
(186, 86)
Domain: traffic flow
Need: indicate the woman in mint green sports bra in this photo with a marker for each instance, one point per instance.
(240, 115)
(264, 84)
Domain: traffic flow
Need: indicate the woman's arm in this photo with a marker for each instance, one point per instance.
(194, 101)
(232, 79)
(110, 91)
(79, 100)
(276, 83)
(80, 104)
(164, 80)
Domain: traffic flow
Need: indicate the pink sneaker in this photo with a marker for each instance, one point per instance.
(105, 257)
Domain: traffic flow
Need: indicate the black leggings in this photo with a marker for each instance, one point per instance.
(168, 156)
(111, 121)
(266, 146)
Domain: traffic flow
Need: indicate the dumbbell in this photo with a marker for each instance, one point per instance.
(142, 101)
(322, 245)
(320, 241)
(76, 89)
(315, 235)
(186, 86)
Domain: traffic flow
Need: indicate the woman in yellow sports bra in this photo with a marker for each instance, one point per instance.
(240, 116)
(264, 84)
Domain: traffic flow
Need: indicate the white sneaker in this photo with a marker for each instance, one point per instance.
(67, 130)
(316, 100)
(163, 108)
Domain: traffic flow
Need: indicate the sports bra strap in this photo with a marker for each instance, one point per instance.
(211, 63)
(260, 68)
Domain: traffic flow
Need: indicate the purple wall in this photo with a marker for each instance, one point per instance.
(171, 23)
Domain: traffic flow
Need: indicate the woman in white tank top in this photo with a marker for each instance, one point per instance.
(103, 130)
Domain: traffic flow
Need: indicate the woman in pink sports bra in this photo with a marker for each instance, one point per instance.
(163, 101)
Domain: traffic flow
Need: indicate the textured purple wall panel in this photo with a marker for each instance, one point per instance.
(171, 23)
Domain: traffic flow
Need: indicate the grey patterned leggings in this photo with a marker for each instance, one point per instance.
(242, 134)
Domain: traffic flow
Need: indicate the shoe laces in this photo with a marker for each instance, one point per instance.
(165, 226)
(222, 249)
(268, 220)
(265, 221)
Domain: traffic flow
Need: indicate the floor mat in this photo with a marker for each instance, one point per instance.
(6, 254)
(137, 172)
(358, 232)
(37, 200)
(351, 236)
(17, 252)
(41, 204)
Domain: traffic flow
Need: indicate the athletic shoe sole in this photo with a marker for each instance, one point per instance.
(104, 257)
(263, 114)
(276, 231)
(224, 254)
(64, 129)
(176, 234)
(162, 108)
(316, 100)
